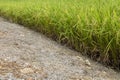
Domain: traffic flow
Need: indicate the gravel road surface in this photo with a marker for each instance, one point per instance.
(28, 55)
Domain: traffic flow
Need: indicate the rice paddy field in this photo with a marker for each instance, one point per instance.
(89, 26)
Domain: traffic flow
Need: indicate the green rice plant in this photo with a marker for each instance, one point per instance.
(89, 26)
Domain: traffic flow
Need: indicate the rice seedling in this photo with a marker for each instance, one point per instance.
(89, 26)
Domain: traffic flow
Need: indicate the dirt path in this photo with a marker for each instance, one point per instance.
(28, 55)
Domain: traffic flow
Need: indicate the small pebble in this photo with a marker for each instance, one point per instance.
(87, 62)
(26, 70)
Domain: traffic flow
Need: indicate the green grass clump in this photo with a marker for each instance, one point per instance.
(89, 26)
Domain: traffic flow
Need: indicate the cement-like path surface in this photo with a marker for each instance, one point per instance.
(28, 55)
